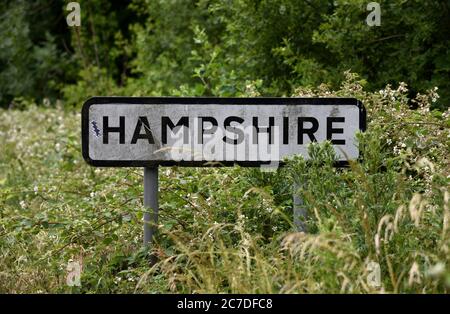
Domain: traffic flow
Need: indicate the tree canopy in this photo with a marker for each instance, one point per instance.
(205, 47)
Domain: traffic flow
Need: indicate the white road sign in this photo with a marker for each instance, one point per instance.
(144, 132)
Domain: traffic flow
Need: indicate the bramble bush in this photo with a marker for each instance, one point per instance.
(230, 229)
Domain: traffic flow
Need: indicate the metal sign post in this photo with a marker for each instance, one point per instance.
(150, 203)
(299, 209)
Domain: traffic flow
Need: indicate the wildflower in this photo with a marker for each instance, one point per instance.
(402, 88)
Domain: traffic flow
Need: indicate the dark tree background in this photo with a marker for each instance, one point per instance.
(206, 47)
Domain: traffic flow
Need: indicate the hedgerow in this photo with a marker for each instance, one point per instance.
(230, 229)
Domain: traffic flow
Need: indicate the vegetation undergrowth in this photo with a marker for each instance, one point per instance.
(230, 229)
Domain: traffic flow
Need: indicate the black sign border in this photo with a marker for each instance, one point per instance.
(202, 101)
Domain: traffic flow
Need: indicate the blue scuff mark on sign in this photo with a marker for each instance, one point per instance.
(95, 128)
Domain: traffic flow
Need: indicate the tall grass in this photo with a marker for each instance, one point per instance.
(229, 230)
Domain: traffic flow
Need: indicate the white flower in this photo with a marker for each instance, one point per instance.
(22, 204)
(402, 87)
(36, 189)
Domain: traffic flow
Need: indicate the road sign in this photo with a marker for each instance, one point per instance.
(152, 131)
(146, 132)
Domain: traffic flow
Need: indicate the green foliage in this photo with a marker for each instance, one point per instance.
(226, 229)
(164, 44)
(230, 229)
(93, 81)
(409, 46)
(102, 50)
(31, 65)
(204, 47)
(215, 47)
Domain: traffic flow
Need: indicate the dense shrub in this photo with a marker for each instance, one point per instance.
(141, 47)
(33, 64)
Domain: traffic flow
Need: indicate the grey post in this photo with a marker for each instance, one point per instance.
(300, 214)
(150, 202)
